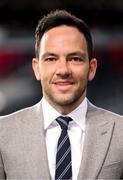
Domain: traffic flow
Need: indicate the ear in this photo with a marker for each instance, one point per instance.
(93, 67)
(35, 67)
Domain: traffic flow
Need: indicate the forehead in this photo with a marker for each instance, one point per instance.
(63, 35)
(62, 27)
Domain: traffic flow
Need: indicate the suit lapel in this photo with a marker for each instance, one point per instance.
(97, 140)
(43, 161)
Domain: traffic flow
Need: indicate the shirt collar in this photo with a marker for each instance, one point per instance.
(78, 114)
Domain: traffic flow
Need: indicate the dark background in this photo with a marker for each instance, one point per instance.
(18, 19)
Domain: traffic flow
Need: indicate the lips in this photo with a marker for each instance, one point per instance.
(63, 86)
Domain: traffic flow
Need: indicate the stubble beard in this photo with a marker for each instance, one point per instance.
(62, 102)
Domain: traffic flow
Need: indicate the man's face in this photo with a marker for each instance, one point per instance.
(63, 67)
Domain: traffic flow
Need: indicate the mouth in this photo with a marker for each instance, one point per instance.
(63, 86)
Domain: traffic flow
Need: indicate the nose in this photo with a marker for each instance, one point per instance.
(63, 68)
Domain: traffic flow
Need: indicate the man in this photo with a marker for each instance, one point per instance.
(64, 64)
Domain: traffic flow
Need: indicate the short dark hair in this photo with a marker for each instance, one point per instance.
(61, 17)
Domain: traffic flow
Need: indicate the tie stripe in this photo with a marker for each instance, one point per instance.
(65, 170)
(63, 156)
(62, 121)
(62, 143)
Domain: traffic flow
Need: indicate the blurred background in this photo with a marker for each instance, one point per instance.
(18, 19)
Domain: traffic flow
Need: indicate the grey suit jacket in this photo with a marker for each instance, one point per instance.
(23, 150)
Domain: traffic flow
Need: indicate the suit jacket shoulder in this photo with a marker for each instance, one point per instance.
(101, 113)
(23, 153)
(25, 115)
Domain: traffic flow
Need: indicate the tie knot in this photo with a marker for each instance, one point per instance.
(63, 121)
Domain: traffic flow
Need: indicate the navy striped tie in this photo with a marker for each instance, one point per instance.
(63, 156)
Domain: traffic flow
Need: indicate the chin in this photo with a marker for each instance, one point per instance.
(64, 102)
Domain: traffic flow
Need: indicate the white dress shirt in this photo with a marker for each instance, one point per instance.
(76, 131)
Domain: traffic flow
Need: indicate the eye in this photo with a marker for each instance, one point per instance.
(50, 59)
(76, 59)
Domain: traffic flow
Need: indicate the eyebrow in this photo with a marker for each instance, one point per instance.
(77, 53)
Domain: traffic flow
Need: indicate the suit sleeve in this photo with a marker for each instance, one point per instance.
(2, 172)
